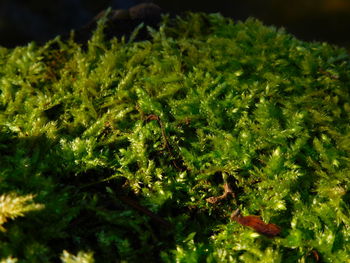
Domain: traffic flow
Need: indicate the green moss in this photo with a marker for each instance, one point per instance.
(164, 123)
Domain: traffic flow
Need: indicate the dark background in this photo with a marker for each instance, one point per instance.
(22, 21)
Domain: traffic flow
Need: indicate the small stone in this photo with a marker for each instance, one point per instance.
(120, 14)
(144, 10)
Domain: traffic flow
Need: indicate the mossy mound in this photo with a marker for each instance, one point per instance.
(110, 153)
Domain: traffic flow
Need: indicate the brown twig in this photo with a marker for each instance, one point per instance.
(153, 117)
(166, 144)
(227, 191)
(132, 203)
(127, 200)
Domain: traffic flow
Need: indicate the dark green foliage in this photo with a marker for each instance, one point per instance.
(164, 123)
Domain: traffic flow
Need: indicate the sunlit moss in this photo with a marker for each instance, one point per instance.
(166, 122)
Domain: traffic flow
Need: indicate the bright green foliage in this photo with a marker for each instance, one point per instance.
(252, 104)
(9, 260)
(80, 258)
(12, 206)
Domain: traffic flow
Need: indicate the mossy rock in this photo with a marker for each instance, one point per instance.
(110, 152)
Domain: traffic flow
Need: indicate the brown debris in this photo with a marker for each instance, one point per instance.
(255, 222)
(177, 163)
(315, 255)
(127, 200)
(227, 191)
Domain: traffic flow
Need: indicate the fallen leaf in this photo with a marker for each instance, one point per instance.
(255, 222)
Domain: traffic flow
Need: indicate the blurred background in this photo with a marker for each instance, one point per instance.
(22, 21)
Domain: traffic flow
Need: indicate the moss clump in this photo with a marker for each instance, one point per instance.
(118, 147)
